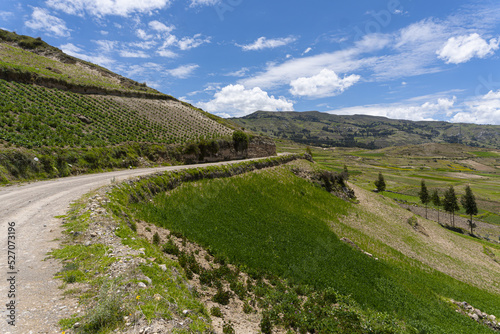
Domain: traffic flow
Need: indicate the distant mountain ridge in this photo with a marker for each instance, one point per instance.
(323, 129)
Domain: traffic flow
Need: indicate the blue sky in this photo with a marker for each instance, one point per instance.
(404, 59)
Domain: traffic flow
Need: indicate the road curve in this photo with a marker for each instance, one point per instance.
(31, 208)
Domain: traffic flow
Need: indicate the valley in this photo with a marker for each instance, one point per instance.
(296, 239)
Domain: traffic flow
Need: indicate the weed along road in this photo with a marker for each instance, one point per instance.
(29, 296)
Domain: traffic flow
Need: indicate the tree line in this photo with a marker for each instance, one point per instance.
(449, 202)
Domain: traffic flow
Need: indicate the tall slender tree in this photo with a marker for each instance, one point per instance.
(380, 183)
(436, 201)
(424, 196)
(469, 203)
(450, 203)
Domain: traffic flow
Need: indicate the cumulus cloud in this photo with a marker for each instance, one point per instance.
(461, 49)
(183, 72)
(482, 110)
(42, 20)
(236, 101)
(427, 111)
(101, 8)
(326, 83)
(264, 43)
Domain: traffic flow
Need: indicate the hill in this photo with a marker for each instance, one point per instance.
(60, 115)
(328, 130)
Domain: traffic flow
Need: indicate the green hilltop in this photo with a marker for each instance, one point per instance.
(329, 130)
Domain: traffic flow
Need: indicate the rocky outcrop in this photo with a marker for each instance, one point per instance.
(258, 147)
(477, 315)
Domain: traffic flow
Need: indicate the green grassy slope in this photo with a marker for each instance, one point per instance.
(24, 58)
(275, 222)
(322, 129)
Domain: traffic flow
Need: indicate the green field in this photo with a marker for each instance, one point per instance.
(276, 223)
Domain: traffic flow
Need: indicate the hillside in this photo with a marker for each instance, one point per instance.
(328, 130)
(271, 251)
(60, 115)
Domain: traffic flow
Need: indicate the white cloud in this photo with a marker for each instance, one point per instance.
(404, 53)
(236, 100)
(463, 48)
(427, 111)
(133, 54)
(183, 72)
(101, 8)
(306, 51)
(160, 27)
(482, 110)
(195, 3)
(146, 45)
(143, 35)
(6, 15)
(75, 51)
(106, 45)
(264, 43)
(240, 73)
(326, 83)
(42, 20)
(188, 43)
(166, 53)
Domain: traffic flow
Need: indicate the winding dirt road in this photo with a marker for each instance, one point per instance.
(29, 211)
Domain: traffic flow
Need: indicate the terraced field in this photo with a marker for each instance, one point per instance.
(34, 116)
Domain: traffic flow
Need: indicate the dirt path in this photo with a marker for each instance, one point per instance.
(39, 304)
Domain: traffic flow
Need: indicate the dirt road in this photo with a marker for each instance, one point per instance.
(28, 230)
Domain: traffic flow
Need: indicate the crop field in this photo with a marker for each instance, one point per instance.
(273, 222)
(33, 116)
(403, 168)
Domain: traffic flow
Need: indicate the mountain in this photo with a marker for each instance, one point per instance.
(322, 129)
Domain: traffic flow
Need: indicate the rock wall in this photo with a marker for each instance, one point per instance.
(258, 147)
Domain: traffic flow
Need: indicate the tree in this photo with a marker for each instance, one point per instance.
(436, 201)
(424, 196)
(345, 173)
(450, 203)
(380, 183)
(469, 203)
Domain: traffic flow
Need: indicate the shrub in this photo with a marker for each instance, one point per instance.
(222, 297)
(247, 309)
(156, 239)
(412, 221)
(266, 326)
(216, 312)
(107, 312)
(240, 141)
(227, 328)
(171, 248)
